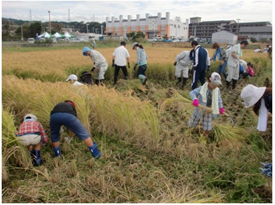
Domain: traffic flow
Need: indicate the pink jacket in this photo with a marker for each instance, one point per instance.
(250, 71)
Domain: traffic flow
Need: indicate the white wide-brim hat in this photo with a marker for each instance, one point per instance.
(252, 94)
(72, 77)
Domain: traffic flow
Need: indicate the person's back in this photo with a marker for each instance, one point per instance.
(201, 58)
(120, 58)
(121, 53)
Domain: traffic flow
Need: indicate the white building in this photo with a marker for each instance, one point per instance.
(224, 37)
(151, 26)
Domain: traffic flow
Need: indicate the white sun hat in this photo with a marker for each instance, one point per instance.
(252, 94)
(72, 77)
(32, 116)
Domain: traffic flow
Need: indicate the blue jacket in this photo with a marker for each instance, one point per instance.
(201, 58)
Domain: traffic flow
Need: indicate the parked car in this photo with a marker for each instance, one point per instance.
(77, 40)
(31, 40)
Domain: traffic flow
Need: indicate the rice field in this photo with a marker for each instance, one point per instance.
(149, 153)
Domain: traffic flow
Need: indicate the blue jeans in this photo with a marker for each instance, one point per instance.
(222, 68)
(141, 70)
(68, 120)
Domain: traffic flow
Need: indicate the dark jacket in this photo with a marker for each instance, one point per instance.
(64, 107)
(268, 103)
(201, 59)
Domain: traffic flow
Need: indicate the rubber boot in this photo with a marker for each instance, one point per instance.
(184, 80)
(101, 82)
(234, 84)
(227, 85)
(115, 79)
(38, 160)
(142, 79)
(97, 82)
(95, 152)
(57, 152)
(179, 80)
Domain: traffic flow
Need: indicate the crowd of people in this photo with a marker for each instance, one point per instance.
(208, 94)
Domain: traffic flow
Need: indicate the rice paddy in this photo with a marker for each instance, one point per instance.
(149, 153)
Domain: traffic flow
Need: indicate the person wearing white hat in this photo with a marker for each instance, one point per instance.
(73, 79)
(261, 100)
(141, 62)
(32, 134)
(208, 95)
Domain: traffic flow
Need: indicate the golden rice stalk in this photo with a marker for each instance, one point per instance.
(8, 128)
(100, 109)
(175, 96)
(222, 132)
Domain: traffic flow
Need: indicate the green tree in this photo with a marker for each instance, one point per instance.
(34, 28)
(253, 40)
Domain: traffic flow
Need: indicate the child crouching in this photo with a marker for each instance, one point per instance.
(207, 95)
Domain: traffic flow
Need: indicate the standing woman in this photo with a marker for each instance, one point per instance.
(141, 62)
(221, 54)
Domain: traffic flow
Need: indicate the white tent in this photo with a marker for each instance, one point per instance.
(45, 35)
(68, 35)
(58, 35)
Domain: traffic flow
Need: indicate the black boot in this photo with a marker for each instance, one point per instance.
(234, 84)
(38, 160)
(179, 80)
(96, 82)
(184, 80)
(101, 82)
(115, 79)
(227, 85)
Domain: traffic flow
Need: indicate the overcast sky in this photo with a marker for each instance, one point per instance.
(208, 10)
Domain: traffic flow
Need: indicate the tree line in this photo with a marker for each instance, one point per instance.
(13, 28)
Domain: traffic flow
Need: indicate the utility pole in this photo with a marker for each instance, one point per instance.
(50, 22)
(238, 27)
(101, 30)
(22, 33)
(87, 27)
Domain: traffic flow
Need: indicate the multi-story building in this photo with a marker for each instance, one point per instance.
(205, 29)
(260, 32)
(151, 26)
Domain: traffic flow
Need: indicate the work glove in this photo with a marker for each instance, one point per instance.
(93, 69)
(44, 141)
(135, 67)
(68, 139)
(196, 102)
(222, 110)
(128, 65)
(175, 63)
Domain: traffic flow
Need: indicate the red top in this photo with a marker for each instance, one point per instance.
(32, 127)
(250, 71)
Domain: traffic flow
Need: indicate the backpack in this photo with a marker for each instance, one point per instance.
(86, 78)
